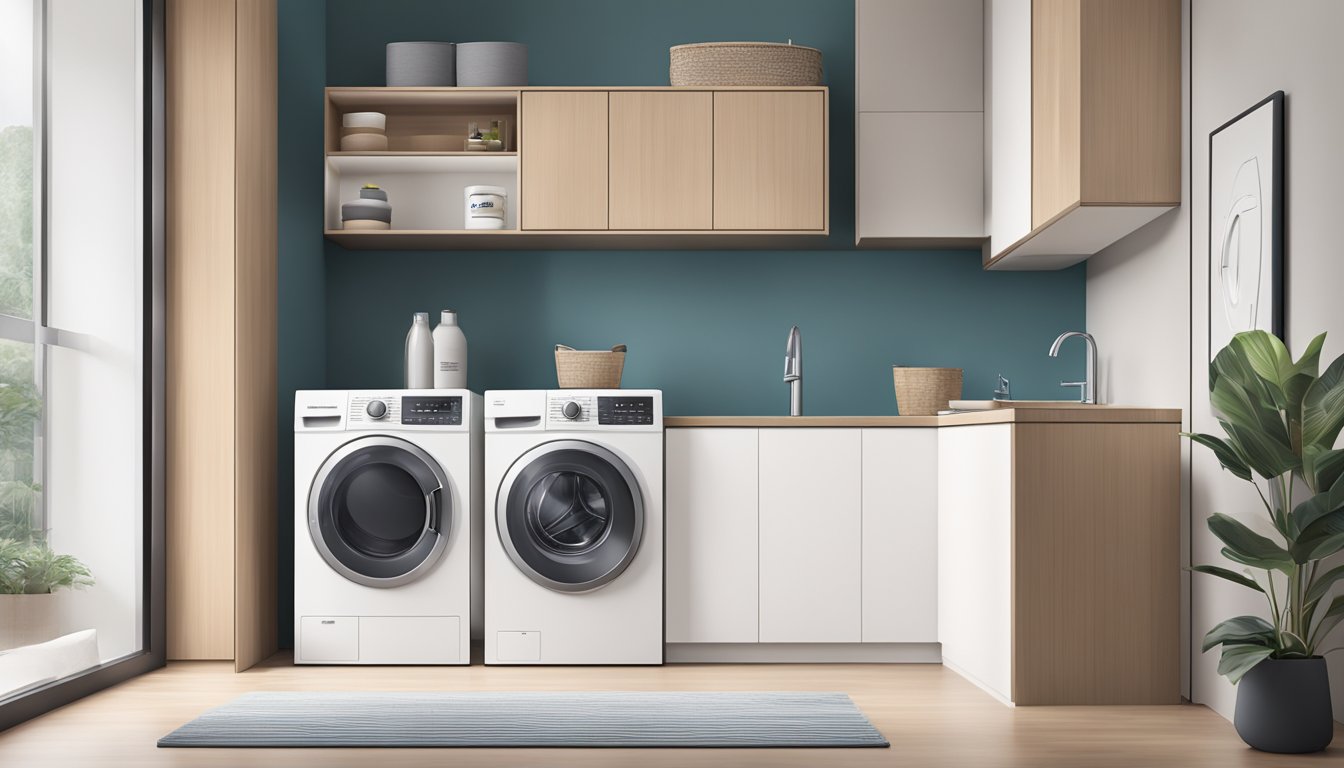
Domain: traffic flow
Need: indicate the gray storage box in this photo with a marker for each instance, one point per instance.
(421, 63)
(491, 64)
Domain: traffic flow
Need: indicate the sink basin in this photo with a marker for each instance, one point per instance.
(989, 405)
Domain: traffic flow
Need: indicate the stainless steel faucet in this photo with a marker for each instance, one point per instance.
(793, 371)
(1087, 389)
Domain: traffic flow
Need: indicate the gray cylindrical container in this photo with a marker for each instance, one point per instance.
(491, 64)
(421, 63)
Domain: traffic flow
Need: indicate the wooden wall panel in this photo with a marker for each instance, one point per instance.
(1131, 101)
(200, 330)
(1056, 138)
(1096, 564)
(254, 450)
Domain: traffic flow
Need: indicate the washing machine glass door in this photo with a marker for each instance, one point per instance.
(380, 511)
(570, 515)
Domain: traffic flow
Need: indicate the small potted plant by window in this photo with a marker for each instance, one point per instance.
(31, 578)
(1280, 420)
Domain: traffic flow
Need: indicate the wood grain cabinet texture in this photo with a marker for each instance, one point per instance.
(1090, 91)
(564, 164)
(770, 160)
(662, 160)
(221, 375)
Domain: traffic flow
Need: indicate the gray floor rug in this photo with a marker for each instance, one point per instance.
(618, 719)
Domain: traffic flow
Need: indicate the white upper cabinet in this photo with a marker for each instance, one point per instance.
(919, 157)
(919, 55)
(1084, 116)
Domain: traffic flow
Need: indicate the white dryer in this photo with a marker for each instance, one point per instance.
(574, 527)
(387, 526)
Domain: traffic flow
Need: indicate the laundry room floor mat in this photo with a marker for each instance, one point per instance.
(579, 719)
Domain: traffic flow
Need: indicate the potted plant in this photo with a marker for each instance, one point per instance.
(31, 576)
(1280, 420)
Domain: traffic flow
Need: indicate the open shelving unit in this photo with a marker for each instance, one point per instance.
(425, 173)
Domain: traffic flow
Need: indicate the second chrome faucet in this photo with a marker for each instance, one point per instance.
(1087, 389)
(793, 371)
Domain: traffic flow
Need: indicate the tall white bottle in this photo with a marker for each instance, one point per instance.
(419, 353)
(450, 353)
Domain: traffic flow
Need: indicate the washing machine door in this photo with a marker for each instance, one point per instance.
(380, 511)
(570, 515)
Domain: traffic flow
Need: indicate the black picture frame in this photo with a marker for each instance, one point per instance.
(1277, 198)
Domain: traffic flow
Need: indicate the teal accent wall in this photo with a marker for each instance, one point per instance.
(301, 278)
(707, 327)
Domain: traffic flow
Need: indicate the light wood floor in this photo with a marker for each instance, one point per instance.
(931, 716)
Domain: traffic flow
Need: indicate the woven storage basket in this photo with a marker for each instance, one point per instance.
(925, 391)
(582, 369)
(745, 64)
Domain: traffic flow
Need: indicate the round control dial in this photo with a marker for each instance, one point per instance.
(571, 410)
(376, 409)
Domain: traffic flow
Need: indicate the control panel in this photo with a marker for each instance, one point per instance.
(625, 410)
(432, 410)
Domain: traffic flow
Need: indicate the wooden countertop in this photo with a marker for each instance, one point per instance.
(1099, 414)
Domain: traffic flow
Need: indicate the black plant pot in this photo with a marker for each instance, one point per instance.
(1283, 705)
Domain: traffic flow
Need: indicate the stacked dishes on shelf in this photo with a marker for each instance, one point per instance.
(370, 211)
(363, 132)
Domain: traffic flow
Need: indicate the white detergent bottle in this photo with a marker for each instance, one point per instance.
(419, 353)
(450, 353)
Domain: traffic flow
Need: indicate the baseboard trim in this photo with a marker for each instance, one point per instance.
(803, 653)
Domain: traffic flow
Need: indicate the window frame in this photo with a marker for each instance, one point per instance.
(153, 651)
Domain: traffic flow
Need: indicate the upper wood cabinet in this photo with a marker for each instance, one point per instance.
(564, 170)
(1085, 125)
(770, 160)
(662, 160)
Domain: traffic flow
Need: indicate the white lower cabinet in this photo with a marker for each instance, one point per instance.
(712, 572)
(900, 528)
(801, 535)
(975, 576)
(811, 535)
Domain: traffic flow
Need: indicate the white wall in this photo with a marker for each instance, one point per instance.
(1147, 295)
(95, 289)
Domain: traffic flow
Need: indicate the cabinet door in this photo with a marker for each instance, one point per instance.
(711, 536)
(769, 160)
(921, 174)
(900, 536)
(810, 534)
(662, 160)
(975, 536)
(562, 150)
(919, 55)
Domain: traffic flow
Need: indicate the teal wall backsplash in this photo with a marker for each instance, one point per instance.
(707, 327)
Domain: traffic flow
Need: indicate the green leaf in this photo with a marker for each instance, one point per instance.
(1329, 620)
(1309, 364)
(1232, 576)
(1321, 540)
(1291, 647)
(1231, 363)
(1323, 407)
(1261, 452)
(1248, 547)
(1242, 630)
(1224, 453)
(1322, 583)
(1235, 405)
(1269, 358)
(1314, 509)
(1322, 468)
(1237, 660)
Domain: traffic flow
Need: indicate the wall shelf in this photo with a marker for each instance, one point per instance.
(423, 162)
(532, 240)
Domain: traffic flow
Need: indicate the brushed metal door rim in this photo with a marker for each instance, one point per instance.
(502, 504)
(445, 517)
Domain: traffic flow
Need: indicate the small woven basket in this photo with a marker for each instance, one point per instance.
(925, 391)
(583, 369)
(744, 64)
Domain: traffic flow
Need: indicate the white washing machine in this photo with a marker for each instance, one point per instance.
(574, 527)
(387, 526)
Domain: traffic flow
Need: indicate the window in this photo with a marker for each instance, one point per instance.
(80, 381)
